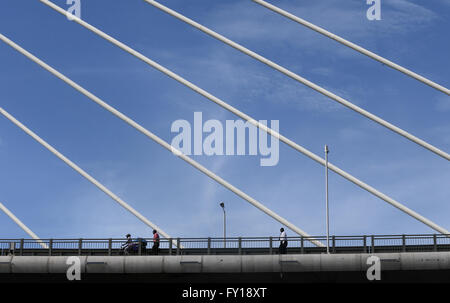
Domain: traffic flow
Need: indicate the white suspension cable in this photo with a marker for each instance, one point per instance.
(83, 173)
(155, 138)
(23, 226)
(254, 122)
(353, 46)
(301, 80)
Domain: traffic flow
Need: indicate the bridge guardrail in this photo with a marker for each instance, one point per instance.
(236, 245)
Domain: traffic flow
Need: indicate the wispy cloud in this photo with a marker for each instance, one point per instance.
(442, 132)
(351, 134)
(445, 2)
(443, 103)
(238, 21)
(259, 25)
(248, 85)
(106, 70)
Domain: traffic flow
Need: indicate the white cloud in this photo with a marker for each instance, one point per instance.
(106, 70)
(442, 132)
(249, 85)
(443, 103)
(342, 18)
(238, 21)
(351, 134)
(322, 71)
(446, 2)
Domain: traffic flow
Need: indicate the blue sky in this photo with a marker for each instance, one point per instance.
(54, 201)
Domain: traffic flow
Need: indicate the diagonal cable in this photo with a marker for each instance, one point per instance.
(22, 226)
(254, 122)
(300, 79)
(155, 138)
(353, 46)
(82, 172)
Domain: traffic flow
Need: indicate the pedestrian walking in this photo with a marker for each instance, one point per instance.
(283, 242)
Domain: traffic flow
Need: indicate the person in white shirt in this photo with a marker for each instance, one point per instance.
(283, 242)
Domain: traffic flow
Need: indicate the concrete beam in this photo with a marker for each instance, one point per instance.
(225, 263)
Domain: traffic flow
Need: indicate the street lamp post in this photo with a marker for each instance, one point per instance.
(326, 198)
(224, 225)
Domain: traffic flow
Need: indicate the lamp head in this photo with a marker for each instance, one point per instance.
(222, 204)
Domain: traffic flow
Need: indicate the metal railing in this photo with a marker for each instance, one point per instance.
(236, 246)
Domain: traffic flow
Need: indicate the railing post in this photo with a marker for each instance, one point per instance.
(140, 247)
(109, 247)
(21, 246)
(240, 245)
(403, 243)
(364, 244)
(271, 245)
(170, 246)
(50, 247)
(434, 242)
(372, 238)
(80, 246)
(209, 246)
(178, 246)
(333, 240)
(302, 246)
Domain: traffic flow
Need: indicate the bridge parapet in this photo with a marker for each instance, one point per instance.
(228, 246)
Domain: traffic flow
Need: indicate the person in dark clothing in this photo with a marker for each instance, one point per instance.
(283, 242)
(155, 247)
(127, 245)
